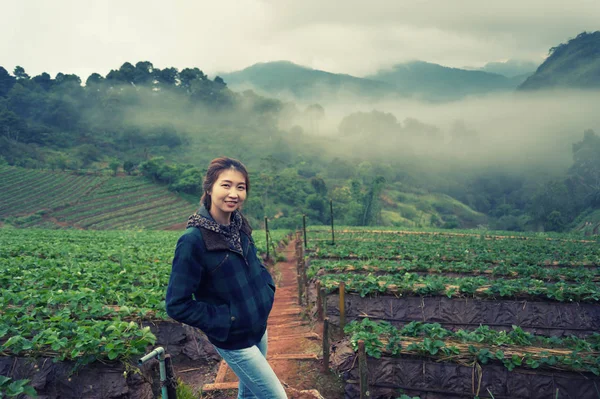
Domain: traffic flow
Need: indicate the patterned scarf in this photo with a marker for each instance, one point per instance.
(231, 232)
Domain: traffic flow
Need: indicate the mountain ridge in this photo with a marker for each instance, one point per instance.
(574, 65)
(411, 79)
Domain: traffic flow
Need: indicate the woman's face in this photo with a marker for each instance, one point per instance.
(227, 193)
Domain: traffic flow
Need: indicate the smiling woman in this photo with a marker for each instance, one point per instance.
(219, 285)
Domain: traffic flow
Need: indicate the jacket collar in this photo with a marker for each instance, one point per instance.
(215, 241)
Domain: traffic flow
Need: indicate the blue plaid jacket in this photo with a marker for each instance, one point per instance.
(226, 294)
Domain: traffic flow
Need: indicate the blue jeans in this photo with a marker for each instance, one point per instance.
(257, 378)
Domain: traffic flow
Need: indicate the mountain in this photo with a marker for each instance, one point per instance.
(436, 82)
(510, 68)
(284, 79)
(575, 64)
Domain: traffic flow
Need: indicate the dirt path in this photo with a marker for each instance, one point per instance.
(295, 345)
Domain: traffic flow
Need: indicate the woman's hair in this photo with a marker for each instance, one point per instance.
(215, 168)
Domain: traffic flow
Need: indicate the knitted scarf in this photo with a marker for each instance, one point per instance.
(231, 232)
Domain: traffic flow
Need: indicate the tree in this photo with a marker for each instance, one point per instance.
(93, 80)
(319, 186)
(372, 202)
(43, 80)
(143, 73)
(128, 167)
(315, 114)
(188, 75)
(20, 73)
(114, 166)
(167, 77)
(584, 174)
(68, 78)
(11, 126)
(6, 82)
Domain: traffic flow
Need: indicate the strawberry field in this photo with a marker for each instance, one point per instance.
(92, 301)
(461, 315)
(54, 200)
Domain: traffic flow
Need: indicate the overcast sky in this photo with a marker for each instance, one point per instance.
(357, 37)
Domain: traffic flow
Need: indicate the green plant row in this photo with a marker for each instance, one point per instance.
(512, 348)
(135, 212)
(441, 248)
(32, 187)
(141, 216)
(62, 190)
(482, 287)
(13, 388)
(387, 231)
(76, 213)
(379, 266)
(81, 295)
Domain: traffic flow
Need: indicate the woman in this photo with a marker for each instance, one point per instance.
(219, 285)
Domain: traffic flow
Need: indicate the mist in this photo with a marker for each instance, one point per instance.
(514, 131)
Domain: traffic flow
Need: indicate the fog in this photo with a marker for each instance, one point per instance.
(513, 130)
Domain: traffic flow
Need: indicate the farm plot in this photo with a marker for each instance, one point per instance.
(464, 283)
(430, 361)
(34, 198)
(93, 302)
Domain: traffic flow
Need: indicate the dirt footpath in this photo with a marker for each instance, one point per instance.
(295, 345)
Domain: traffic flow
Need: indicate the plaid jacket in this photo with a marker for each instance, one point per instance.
(226, 294)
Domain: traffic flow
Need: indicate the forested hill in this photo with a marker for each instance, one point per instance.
(284, 79)
(436, 82)
(418, 79)
(571, 65)
(167, 124)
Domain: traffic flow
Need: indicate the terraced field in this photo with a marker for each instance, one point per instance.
(47, 199)
(71, 298)
(460, 314)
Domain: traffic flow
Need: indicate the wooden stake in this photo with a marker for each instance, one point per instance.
(299, 278)
(304, 229)
(171, 380)
(319, 301)
(362, 370)
(332, 234)
(324, 298)
(267, 234)
(326, 345)
(342, 288)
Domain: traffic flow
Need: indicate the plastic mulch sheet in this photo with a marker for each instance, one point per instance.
(545, 318)
(417, 376)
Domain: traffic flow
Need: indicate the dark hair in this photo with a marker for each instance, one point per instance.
(215, 168)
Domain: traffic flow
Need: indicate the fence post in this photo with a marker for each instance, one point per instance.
(304, 229)
(362, 370)
(332, 234)
(342, 305)
(171, 380)
(299, 278)
(267, 234)
(324, 298)
(319, 301)
(326, 345)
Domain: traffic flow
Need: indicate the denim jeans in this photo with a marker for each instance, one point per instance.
(257, 378)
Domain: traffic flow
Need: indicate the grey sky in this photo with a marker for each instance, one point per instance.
(350, 36)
